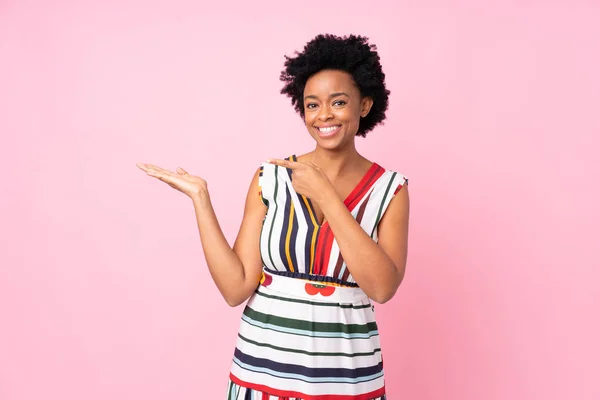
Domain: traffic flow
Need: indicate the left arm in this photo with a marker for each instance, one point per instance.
(378, 268)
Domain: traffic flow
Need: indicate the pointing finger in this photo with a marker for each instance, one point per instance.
(284, 163)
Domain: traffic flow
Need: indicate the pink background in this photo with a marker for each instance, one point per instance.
(494, 115)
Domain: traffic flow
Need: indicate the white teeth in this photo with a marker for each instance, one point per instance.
(329, 129)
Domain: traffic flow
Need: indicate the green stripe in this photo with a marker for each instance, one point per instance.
(382, 204)
(273, 220)
(310, 353)
(229, 391)
(310, 326)
(313, 303)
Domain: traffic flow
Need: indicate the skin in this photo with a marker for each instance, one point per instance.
(326, 175)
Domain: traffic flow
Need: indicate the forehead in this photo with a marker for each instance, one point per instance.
(330, 81)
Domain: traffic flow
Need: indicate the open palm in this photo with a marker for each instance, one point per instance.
(180, 179)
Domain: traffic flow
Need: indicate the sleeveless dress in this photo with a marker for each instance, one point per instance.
(309, 332)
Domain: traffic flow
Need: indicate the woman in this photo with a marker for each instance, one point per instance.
(322, 234)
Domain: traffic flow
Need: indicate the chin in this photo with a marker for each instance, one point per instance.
(330, 144)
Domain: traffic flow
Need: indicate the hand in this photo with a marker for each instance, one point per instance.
(188, 184)
(307, 179)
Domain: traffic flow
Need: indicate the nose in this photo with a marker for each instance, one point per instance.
(324, 113)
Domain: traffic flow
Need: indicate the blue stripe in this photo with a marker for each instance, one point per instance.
(303, 378)
(293, 238)
(355, 374)
(284, 228)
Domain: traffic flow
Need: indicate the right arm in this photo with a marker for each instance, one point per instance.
(236, 271)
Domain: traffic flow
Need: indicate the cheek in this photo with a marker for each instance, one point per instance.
(307, 123)
(307, 117)
(349, 113)
(309, 120)
(349, 116)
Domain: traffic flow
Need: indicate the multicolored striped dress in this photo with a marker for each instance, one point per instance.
(309, 331)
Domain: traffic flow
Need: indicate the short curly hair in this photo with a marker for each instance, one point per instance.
(352, 54)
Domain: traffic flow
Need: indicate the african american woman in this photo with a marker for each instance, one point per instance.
(324, 235)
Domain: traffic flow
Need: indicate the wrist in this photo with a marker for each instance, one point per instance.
(326, 198)
(201, 196)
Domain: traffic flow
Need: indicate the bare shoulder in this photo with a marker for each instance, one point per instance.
(393, 227)
(399, 207)
(254, 200)
(400, 202)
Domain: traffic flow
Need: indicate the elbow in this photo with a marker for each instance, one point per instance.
(383, 296)
(386, 293)
(236, 298)
(234, 301)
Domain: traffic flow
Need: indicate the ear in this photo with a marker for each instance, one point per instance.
(365, 106)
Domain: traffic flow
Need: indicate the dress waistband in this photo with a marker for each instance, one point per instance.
(311, 290)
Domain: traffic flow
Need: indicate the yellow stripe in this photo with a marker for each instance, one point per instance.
(314, 237)
(327, 283)
(287, 238)
(312, 249)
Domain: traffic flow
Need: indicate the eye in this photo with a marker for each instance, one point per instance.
(310, 105)
(339, 103)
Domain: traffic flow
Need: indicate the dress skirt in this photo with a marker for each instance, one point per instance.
(309, 340)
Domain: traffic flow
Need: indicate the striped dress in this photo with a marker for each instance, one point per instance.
(309, 332)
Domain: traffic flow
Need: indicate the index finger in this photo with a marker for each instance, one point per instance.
(284, 163)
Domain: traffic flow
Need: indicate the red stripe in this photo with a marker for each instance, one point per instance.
(365, 184)
(346, 275)
(318, 253)
(361, 210)
(338, 266)
(288, 393)
(398, 189)
(359, 217)
(327, 244)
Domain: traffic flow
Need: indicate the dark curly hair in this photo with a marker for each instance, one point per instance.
(352, 54)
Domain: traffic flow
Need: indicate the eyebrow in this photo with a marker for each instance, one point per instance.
(332, 95)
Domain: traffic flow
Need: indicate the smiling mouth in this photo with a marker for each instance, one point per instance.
(328, 130)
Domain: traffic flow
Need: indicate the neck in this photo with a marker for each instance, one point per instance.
(334, 163)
